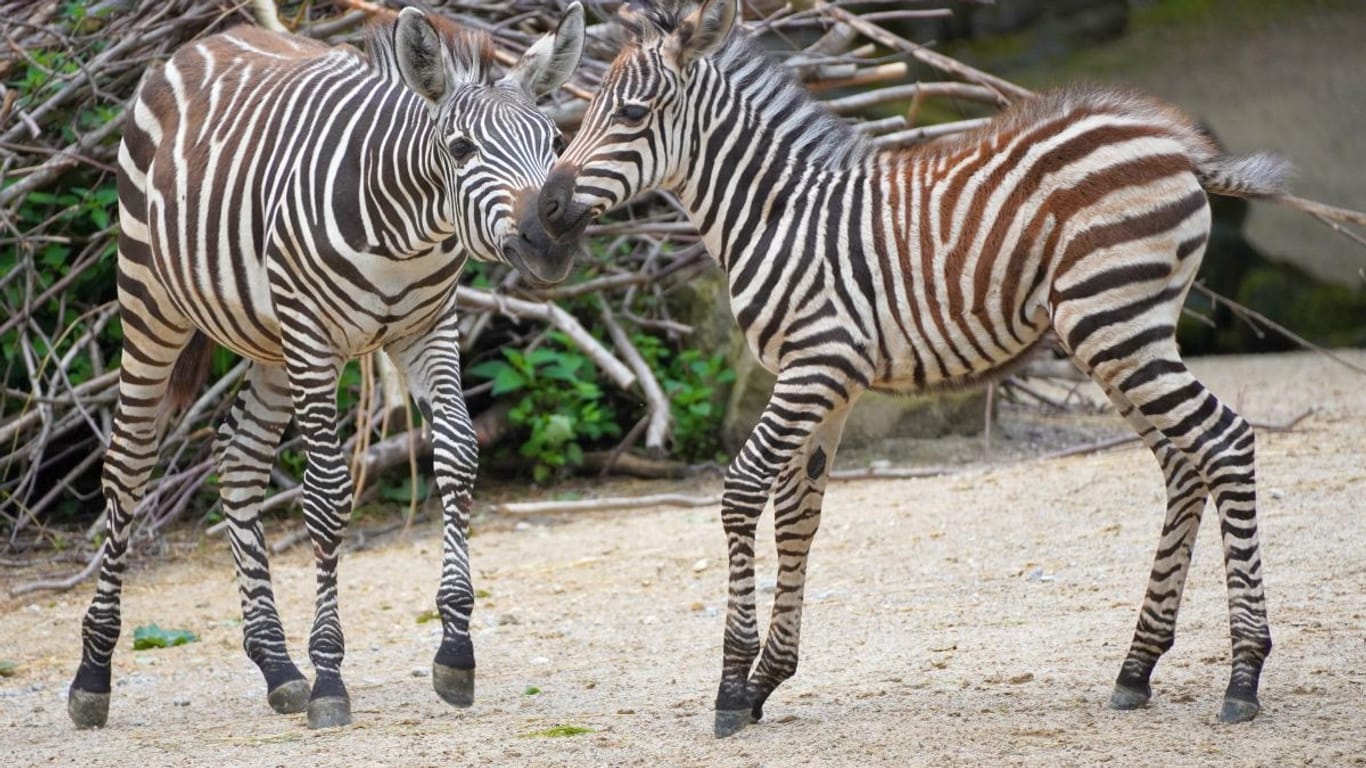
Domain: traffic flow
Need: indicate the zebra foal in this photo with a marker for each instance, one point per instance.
(1083, 212)
(302, 205)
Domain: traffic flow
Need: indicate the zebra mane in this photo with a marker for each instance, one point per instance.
(648, 19)
(822, 137)
(471, 50)
(779, 98)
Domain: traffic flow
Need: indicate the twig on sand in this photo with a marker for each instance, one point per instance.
(1114, 442)
(611, 502)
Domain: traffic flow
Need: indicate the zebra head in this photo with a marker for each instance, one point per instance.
(635, 133)
(497, 145)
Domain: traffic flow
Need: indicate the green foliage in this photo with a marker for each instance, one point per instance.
(152, 636)
(8, 668)
(560, 408)
(693, 384)
(531, 690)
(68, 225)
(428, 615)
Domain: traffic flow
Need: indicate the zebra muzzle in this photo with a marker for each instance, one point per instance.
(540, 258)
(561, 218)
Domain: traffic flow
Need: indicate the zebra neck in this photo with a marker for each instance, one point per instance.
(762, 143)
(404, 178)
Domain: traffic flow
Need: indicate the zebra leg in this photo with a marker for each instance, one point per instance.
(1219, 445)
(797, 515)
(798, 408)
(432, 363)
(149, 352)
(247, 441)
(327, 511)
(1156, 630)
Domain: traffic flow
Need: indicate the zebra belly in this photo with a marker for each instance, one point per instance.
(916, 365)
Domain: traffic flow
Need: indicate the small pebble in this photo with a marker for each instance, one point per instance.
(418, 672)
(181, 701)
(699, 566)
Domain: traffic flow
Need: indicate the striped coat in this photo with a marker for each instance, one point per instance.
(302, 205)
(1082, 212)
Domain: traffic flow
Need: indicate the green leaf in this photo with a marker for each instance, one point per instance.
(487, 369)
(508, 380)
(542, 356)
(559, 428)
(560, 731)
(427, 615)
(531, 690)
(8, 668)
(152, 636)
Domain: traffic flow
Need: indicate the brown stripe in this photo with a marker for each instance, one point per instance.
(1154, 221)
(927, 269)
(1071, 151)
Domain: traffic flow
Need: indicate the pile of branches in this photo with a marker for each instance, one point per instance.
(60, 140)
(58, 143)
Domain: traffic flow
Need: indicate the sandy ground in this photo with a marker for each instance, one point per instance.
(974, 619)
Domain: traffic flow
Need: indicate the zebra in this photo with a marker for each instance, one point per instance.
(302, 205)
(1082, 212)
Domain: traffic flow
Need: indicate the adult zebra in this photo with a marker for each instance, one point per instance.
(851, 268)
(302, 205)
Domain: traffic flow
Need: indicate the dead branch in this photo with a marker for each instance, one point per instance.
(1253, 314)
(1114, 442)
(605, 504)
(473, 298)
(658, 404)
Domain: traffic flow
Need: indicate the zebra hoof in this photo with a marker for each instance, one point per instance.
(731, 721)
(1238, 711)
(329, 712)
(1124, 698)
(454, 686)
(87, 710)
(288, 698)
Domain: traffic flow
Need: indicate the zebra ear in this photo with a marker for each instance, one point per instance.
(551, 61)
(420, 54)
(703, 31)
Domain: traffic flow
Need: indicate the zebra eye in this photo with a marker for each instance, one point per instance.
(461, 149)
(557, 146)
(632, 113)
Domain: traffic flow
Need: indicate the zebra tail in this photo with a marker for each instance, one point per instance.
(1261, 175)
(190, 371)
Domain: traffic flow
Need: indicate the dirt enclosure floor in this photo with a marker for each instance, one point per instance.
(971, 619)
